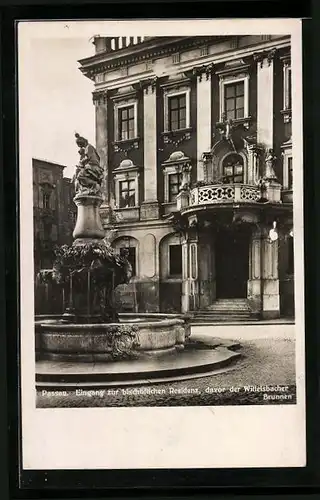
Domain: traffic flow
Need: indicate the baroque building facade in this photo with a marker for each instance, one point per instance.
(194, 134)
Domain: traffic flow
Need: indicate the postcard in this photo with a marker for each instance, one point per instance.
(162, 252)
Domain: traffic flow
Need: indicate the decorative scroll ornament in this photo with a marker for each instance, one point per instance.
(89, 173)
(176, 138)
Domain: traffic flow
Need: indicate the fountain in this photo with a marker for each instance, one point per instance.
(91, 330)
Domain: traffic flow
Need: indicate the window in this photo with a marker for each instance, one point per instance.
(290, 172)
(174, 185)
(290, 256)
(126, 122)
(289, 88)
(175, 260)
(234, 100)
(233, 171)
(130, 253)
(287, 166)
(234, 97)
(127, 193)
(176, 107)
(125, 118)
(46, 200)
(177, 112)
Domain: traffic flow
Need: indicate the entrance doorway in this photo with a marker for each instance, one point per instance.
(232, 264)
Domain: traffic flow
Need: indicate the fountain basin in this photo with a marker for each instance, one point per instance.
(134, 336)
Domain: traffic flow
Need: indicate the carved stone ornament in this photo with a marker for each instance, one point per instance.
(259, 57)
(149, 85)
(176, 137)
(204, 70)
(99, 97)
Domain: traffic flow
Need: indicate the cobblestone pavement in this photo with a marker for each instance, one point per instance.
(264, 362)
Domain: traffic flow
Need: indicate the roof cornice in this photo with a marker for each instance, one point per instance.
(142, 51)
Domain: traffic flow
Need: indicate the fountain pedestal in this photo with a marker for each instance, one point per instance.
(88, 225)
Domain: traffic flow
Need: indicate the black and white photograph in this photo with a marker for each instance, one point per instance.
(161, 222)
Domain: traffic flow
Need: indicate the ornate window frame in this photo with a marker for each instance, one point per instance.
(286, 154)
(227, 77)
(244, 160)
(167, 171)
(173, 91)
(123, 99)
(174, 165)
(126, 171)
(117, 107)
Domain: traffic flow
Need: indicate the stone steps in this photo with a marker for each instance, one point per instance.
(225, 310)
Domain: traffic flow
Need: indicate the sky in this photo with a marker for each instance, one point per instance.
(61, 99)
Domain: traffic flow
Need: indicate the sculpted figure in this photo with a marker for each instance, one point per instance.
(186, 177)
(270, 159)
(89, 173)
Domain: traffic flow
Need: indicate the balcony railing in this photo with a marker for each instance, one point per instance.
(224, 193)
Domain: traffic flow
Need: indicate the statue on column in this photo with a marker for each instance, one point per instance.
(186, 179)
(269, 161)
(89, 173)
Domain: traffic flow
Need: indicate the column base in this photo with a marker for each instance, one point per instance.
(149, 210)
(254, 296)
(270, 314)
(271, 299)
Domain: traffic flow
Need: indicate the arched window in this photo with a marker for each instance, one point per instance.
(233, 169)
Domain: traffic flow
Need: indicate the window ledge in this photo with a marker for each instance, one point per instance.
(125, 208)
(237, 121)
(172, 279)
(178, 131)
(126, 144)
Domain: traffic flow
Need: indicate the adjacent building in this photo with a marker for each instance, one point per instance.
(194, 134)
(54, 216)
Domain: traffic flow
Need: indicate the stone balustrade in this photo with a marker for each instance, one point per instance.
(224, 193)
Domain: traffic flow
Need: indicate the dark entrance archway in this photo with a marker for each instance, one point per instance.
(232, 263)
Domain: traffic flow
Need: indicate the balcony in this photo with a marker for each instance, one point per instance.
(223, 194)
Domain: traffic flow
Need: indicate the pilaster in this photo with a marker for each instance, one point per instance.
(101, 107)
(270, 291)
(265, 90)
(203, 75)
(190, 272)
(150, 205)
(255, 272)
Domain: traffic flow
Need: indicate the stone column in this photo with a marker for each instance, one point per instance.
(101, 106)
(265, 92)
(185, 277)
(270, 275)
(203, 119)
(207, 282)
(253, 164)
(150, 205)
